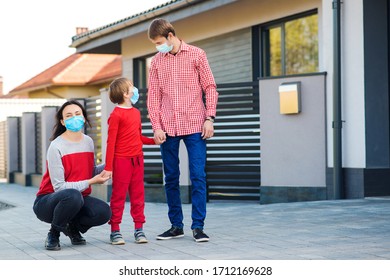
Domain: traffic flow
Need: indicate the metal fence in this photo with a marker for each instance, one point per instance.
(233, 154)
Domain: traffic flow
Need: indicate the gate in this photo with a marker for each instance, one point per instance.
(233, 154)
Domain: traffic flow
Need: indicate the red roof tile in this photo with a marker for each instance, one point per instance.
(77, 69)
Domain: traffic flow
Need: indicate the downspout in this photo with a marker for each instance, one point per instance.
(337, 122)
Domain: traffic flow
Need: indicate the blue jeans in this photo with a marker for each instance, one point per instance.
(196, 148)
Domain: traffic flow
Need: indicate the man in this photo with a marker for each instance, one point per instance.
(179, 76)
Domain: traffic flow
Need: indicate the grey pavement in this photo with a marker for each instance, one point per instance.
(321, 230)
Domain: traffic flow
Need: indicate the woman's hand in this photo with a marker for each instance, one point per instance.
(100, 178)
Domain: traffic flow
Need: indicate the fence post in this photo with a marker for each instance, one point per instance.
(185, 182)
(13, 151)
(48, 120)
(106, 108)
(28, 134)
(103, 191)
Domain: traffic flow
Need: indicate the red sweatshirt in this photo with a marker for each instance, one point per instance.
(125, 137)
(69, 166)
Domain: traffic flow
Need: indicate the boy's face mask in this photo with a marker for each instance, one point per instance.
(135, 96)
(75, 123)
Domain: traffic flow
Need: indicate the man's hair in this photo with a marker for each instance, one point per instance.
(117, 88)
(160, 27)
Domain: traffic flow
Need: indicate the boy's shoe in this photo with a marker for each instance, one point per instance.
(74, 235)
(140, 237)
(116, 238)
(199, 235)
(52, 241)
(173, 232)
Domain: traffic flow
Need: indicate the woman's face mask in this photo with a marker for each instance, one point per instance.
(135, 96)
(75, 123)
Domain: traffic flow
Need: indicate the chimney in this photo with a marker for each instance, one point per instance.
(80, 30)
(1, 86)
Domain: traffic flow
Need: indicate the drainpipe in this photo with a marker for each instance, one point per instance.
(337, 122)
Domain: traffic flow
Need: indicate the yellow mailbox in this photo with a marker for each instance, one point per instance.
(290, 98)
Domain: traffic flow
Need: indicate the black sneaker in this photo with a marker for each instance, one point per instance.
(173, 232)
(74, 235)
(53, 241)
(199, 235)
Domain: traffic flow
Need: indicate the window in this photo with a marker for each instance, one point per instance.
(141, 71)
(290, 46)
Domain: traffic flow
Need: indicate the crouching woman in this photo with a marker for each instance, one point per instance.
(63, 198)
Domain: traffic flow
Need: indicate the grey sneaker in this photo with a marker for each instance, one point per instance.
(173, 232)
(199, 235)
(140, 237)
(116, 238)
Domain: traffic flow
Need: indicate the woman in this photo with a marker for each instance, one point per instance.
(63, 198)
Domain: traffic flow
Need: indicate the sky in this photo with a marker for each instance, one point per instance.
(36, 34)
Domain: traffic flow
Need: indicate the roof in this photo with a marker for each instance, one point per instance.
(159, 10)
(76, 69)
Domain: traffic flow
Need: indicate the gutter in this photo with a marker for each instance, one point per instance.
(338, 186)
(138, 18)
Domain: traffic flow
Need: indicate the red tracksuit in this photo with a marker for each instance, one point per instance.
(124, 157)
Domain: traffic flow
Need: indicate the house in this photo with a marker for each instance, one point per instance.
(77, 76)
(334, 53)
(303, 112)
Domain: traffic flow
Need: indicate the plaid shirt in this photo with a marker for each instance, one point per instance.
(175, 91)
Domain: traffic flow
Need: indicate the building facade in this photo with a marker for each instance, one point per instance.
(327, 59)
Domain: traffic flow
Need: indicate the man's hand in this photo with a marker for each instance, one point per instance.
(159, 136)
(208, 130)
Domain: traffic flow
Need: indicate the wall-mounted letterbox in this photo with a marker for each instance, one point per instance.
(290, 98)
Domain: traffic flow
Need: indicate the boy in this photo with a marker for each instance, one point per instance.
(124, 159)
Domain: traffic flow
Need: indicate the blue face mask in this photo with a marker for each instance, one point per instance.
(164, 48)
(75, 123)
(135, 96)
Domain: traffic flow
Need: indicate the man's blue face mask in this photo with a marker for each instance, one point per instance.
(75, 123)
(164, 48)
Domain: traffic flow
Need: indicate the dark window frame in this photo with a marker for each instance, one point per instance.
(261, 44)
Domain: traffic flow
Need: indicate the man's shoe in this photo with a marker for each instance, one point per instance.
(74, 235)
(140, 237)
(199, 235)
(173, 232)
(53, 241)
(116, 238)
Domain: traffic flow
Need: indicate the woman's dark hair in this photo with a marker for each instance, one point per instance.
(58, 128)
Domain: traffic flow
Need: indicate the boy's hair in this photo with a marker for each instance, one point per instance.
(117, 88)
(160, 27)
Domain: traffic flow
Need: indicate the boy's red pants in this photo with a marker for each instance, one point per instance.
(127, 177)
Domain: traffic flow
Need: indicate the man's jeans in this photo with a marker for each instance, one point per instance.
(196, 148)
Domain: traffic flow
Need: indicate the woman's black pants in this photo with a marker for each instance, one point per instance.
(69, 206)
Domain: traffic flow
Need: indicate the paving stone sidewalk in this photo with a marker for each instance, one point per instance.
(321, 230)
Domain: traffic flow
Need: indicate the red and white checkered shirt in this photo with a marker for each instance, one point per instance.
(175, 91)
